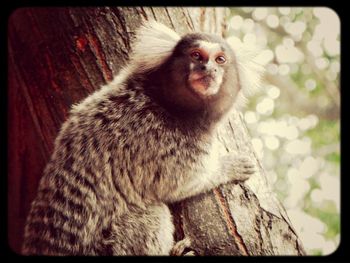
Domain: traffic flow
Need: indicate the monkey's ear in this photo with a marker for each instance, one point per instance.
(251, 62)
(154, 43)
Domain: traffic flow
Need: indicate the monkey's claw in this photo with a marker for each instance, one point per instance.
(181, 248)
(241, 167)
(244, 167)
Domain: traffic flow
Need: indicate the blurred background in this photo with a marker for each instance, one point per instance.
(294, 118)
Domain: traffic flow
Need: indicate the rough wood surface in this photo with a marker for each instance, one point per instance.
(237, 219)
(57, 56)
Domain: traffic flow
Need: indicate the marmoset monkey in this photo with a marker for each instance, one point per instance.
(139, 143)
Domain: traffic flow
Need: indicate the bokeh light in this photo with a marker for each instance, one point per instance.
(294, 118)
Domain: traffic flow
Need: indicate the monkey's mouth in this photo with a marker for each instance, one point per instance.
(202, 84)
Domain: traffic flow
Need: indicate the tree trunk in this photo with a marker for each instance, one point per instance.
(57, 56)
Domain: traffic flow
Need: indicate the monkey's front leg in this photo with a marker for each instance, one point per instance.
(209, 175)
(237, 168)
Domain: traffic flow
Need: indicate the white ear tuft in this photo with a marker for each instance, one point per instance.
(251, 62)
(154, 43)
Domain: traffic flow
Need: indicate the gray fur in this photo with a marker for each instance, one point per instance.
(118, 160)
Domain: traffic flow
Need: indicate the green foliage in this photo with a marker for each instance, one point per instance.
(326, 132)
(333, 157)
(316, 252)
(328, 214)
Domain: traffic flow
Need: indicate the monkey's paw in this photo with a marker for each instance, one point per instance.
(182, 248)
(239, 167)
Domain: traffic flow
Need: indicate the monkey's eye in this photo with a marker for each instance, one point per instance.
(220, 59)
(196, 55)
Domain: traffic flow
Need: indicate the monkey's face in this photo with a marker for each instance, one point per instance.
(204, 62)
(206, 67)
(201, 75)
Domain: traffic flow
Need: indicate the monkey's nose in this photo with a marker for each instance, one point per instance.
(207, 68)
(203, 67)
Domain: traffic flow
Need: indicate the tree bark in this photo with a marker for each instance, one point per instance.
(57, 56)
(237, 219)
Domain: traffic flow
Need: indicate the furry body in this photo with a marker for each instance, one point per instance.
(124, 153)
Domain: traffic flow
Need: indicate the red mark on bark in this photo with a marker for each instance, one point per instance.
(81, 43)
(230, 222)
(51, 73)
(96, 48)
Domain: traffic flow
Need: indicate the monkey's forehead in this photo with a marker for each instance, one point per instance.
(209, 42)
(209, 46)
